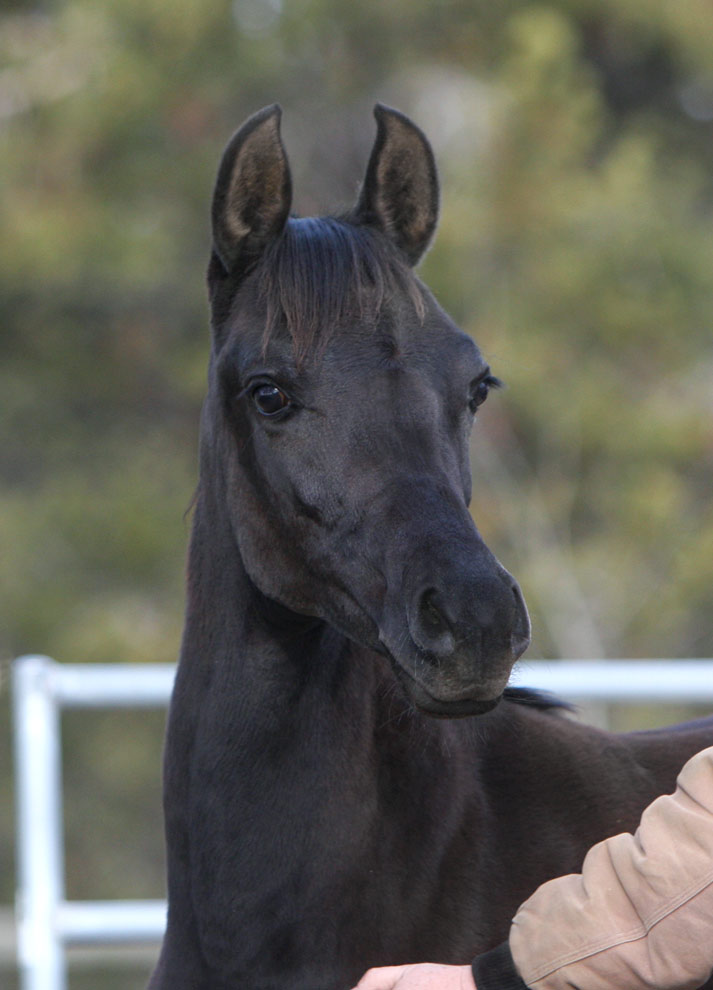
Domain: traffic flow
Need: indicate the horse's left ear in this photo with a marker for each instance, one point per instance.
(400, 191)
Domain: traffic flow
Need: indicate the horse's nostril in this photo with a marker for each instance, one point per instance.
(431, 616)
(431, 628)
(520, 606)
(520, 639)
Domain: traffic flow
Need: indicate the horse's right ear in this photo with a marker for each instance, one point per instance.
(253, 192)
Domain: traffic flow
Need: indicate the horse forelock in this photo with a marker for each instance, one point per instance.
(323, 271)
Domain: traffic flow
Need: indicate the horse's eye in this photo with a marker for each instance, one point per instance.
(270, 399)
(482, 390)
(479, 395)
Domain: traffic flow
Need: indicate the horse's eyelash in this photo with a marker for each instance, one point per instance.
(492, 382)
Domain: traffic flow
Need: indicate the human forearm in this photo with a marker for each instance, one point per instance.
(641, 912)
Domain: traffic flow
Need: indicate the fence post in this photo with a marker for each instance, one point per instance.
(40, 865)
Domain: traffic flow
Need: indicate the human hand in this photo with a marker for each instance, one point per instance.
(425, 976)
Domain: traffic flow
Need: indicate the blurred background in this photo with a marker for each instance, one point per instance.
(575, 145)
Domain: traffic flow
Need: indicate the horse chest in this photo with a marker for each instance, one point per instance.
(304, 840)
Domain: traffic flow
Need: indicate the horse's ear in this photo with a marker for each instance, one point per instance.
(400, 191)
(253, 191)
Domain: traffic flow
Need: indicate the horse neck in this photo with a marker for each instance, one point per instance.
(298, 718)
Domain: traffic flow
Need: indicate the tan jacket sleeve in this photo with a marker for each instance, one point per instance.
(640, 915)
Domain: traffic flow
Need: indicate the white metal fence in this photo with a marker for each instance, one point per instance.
(47, 923)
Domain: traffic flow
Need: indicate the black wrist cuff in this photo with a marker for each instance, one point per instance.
(495, 970)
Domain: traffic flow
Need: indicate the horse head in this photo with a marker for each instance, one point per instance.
(340, 405)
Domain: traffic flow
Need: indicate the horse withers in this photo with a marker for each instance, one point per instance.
(348, 781)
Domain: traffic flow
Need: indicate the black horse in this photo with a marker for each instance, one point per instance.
(320, 820)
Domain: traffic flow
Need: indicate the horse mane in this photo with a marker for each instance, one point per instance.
(322, 270)
(542, 700)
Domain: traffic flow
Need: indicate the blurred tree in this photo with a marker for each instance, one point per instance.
(575, 141)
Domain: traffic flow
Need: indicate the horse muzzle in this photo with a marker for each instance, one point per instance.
(464, 627)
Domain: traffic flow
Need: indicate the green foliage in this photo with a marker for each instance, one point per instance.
(575, 144)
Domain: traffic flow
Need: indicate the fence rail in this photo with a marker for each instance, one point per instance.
(47, 923)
